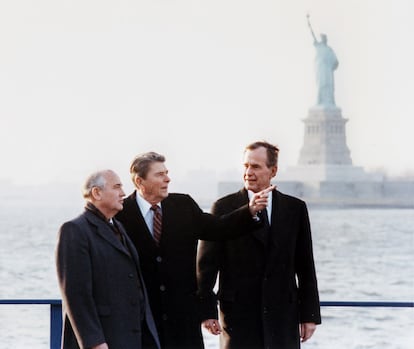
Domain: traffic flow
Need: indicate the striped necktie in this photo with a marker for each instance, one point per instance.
(157, 223)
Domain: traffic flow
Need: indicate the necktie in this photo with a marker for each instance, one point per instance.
(266, 226)
(116, 231)
(263, 216)
(157, 223)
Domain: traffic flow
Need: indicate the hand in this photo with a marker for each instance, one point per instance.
(212, 326)
(258, 201)
(306, 330)
(101, 346)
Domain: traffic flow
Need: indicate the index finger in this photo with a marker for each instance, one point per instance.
(268, 189)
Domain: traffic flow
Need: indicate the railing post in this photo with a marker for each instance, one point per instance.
(55, 325)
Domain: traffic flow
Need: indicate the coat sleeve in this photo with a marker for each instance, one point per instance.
(75, 279)
(222, 226)
(305, 268)
(208, 262)
(208, 266)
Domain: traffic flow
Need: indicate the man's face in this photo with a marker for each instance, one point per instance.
(154, 188)
(257, 175)
(110, 199)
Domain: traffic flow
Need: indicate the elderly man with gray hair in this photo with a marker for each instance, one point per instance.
(105, 303)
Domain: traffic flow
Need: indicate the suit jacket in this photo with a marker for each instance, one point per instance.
(261, 303)
(170, 269)
(104, 296)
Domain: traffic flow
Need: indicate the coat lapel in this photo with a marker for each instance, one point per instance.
(105, 231)
(279, 228)
(280, 218)
(135, 214)
(171, 219)
(241, 199)
(130, 246)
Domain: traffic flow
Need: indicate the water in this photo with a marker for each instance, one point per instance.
(360, 255)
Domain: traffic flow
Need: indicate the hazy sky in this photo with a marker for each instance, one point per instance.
(86, 84)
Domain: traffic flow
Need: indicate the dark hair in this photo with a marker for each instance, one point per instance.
(272, 151)
(141, 164)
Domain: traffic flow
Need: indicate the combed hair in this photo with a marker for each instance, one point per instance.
(271, 150)
(141, 164)
(96, 179)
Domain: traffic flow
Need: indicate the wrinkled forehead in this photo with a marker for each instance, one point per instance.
(156, 167)
(112, 178)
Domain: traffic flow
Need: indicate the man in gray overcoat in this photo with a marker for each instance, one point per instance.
(105, 303)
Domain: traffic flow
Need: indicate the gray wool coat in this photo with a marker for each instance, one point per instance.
(103, 293)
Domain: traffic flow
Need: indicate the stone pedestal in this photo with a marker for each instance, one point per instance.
(324, 138)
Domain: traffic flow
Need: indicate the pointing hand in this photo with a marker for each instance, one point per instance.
(259, 200)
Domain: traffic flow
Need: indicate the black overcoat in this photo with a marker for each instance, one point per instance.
(101, 284)
(267, 283)
(170, 269)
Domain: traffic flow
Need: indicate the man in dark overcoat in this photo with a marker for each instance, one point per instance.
(168, 257)
(267, 292)
(105, 303)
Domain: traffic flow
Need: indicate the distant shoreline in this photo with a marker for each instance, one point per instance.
(362, 205)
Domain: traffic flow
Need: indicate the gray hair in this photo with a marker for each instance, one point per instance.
(272, 151)
(141, 164)
(95, 180)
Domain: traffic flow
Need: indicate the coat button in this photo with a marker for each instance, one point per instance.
(162, 288)
(131, 276)
(265, 311)
(164, 317)
(158, 259)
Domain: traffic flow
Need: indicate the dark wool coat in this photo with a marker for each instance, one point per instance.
(170, 269)
(101, 284)
(267, 281)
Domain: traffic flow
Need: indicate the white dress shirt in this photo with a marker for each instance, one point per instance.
(269, 204)
(146, 211)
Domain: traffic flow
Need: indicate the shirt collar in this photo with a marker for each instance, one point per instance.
(269, 202)
(143, 204)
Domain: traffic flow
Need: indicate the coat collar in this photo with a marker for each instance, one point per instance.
(104, 230)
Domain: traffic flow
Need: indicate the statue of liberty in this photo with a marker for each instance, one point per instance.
(325, 64)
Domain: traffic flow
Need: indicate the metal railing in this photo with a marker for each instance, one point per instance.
(56, 311)
(55, 316)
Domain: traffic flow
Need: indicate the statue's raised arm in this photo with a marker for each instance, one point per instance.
(310, 27)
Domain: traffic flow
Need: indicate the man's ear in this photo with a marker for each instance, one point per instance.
(96, 193)
(137, 181)
(274, 171)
